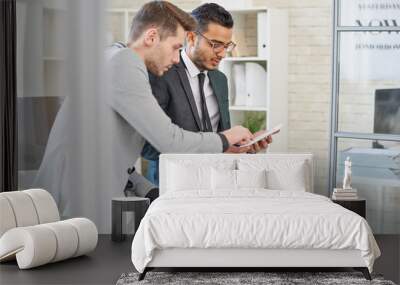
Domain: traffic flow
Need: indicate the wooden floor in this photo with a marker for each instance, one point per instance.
(110, 260)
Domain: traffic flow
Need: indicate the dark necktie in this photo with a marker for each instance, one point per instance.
(205, 118)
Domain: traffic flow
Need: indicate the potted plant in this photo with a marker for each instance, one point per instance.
(254, 121)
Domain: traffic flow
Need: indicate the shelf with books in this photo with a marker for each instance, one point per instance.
(257, 70)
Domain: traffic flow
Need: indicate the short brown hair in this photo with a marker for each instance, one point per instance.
(162, 15)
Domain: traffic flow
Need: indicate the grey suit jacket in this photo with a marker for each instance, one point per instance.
(174, 94)
(89, 157)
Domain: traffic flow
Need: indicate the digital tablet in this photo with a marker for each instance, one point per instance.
(264, 135)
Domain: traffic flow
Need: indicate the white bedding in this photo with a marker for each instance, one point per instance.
(251, 218)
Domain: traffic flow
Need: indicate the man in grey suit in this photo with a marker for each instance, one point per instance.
(84, 170)
(194, 93)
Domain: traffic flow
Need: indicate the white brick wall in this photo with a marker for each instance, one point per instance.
(310, 39)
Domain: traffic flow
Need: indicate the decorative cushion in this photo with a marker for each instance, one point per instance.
(189, 174)
(293, 179)
(237, 179)
(184, 177)
(282, 174)
(223, 179)
(251, 178)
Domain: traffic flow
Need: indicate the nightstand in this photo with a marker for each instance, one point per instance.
(358, 206)
(138, 205)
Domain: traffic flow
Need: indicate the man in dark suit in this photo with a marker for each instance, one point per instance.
(194, 93)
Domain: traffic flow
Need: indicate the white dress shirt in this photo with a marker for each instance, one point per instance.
(211, 100)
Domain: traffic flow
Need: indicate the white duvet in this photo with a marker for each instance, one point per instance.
(252, 218)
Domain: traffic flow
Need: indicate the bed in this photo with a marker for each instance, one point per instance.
(247, 211)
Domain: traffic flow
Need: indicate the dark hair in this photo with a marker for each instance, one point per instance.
(211, 13)
(162, 15)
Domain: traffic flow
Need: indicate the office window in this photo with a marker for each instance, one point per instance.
(365, 118)
(376, 176)
(369, 82)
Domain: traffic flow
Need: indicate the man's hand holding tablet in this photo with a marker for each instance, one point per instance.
(260, 141)
(263, 135)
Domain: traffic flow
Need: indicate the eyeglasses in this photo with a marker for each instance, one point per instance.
(218, 46)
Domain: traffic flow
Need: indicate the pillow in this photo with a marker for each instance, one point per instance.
(282, 174)
(293, 179)
(251, 178)
(236, 179)
(183, 177)
(223, 179)
(199, 161)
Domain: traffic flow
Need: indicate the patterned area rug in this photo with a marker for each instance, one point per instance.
(243, 278)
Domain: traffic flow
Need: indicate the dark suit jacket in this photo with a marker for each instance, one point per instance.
(173, 93)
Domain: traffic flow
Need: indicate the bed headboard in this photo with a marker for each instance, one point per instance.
(231, 159)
